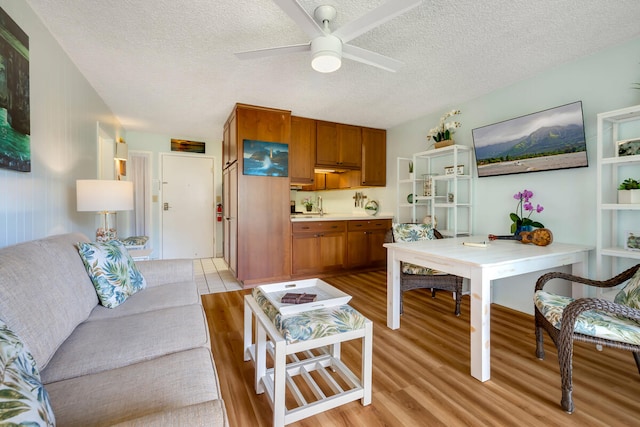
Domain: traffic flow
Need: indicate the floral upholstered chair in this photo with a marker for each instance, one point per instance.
(416, 277)
(598, 321)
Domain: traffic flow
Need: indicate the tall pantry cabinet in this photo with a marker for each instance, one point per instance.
(257, 243)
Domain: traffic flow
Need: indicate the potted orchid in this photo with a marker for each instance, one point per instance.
(520, 222)
(308, 203)
(445, 129)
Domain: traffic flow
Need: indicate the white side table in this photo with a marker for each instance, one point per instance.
(319, 354)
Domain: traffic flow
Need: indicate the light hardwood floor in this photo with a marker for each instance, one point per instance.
(421, 371)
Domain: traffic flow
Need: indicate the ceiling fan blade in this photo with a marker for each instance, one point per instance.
(300, 17)
(370, 58)
(374, 18)
(272, 51)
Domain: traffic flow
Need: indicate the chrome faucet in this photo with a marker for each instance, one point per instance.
(320, 210)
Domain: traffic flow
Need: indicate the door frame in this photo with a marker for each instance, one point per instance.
(160, 191)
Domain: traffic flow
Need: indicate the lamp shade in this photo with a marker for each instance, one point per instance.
(103, 195)
(122, 151)
(327, 53)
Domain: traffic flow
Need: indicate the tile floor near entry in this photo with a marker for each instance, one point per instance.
(213, 276)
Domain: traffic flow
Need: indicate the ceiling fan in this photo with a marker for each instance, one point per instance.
(328, 48)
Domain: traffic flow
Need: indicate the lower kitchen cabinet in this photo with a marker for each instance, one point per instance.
(364, 243)
(318, 247)
(337, 246)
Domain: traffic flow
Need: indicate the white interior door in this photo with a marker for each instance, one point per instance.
(187, 207)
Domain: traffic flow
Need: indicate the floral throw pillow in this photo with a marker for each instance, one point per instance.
(23, 399)
(630, 294)
(112, 270)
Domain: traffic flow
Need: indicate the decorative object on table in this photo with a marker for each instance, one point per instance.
(539, 237)
(520, 223)
(442, 134)
(297, 298)
(308, 204)
(372, 207)
(546, 140)
(264, 158)
(628, 147)
(632, 241)
(629, 191)
(105, 197)
(449, 170)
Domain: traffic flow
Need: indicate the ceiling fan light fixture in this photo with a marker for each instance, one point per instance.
(327, 54)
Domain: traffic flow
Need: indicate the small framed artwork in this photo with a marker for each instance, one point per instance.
(632, 241)
(449, 170)
(187, 146)
(628, 147)
(265, 158)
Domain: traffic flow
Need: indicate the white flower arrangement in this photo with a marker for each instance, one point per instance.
(445, 129)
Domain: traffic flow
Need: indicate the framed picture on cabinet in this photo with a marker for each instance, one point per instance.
(628, 147)
(265, 158)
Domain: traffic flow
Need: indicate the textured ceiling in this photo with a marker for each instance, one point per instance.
(167, 66)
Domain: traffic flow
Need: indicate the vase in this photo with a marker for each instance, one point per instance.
(309, 208)
(521, 228)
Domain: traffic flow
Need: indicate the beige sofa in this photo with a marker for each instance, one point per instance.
(145, 362)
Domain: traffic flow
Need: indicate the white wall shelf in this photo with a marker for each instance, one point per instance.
(614, 220)
(453, 215)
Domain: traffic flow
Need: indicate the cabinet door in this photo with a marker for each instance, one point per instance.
(377, 252)
(327, 151)
(332, 250)
(357, 249)
(229, 142)
(305, 253)
(230, 217)
(302, 150)
(350, 145)
(374, 157)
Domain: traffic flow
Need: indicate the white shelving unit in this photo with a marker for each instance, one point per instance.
(614, 220)
(451, 194)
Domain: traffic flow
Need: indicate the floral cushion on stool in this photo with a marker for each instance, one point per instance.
(595, 323)
(23, 399)
(413, 233)
(311, 324)
(112, 270)
(629, 295)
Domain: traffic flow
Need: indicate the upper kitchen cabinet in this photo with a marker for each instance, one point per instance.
(302, 150)
(338, 145)
(230, 141)
(374, 157)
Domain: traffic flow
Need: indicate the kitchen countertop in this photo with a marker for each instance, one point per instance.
(314, 216)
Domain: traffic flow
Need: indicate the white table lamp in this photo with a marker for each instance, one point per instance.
(105, 197)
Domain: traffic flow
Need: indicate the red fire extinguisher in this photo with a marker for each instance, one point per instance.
(219, 212)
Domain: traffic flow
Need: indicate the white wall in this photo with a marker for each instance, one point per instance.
(65, 110)
(602, 82)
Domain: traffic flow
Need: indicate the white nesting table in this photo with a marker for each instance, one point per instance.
(502, 258)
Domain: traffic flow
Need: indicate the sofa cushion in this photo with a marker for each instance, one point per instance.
(112, 343)
(115, 396)
(112, 271)
(153, 298)
(23, 399)
(50, 267)
(630, 294)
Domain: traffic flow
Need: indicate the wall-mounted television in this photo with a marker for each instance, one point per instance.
(546, 140)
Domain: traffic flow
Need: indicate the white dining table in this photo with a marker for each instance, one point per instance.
(498, 260)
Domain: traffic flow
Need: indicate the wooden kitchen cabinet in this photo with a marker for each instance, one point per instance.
(364, 243)
(230, 141)
(261, 232)
(302, 151)
(230, 217)
(374, 157)
(338, 145)
(318, 247)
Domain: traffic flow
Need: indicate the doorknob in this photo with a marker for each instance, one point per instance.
(165, 206)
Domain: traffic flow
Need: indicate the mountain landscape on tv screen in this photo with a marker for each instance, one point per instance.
(546, 141)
